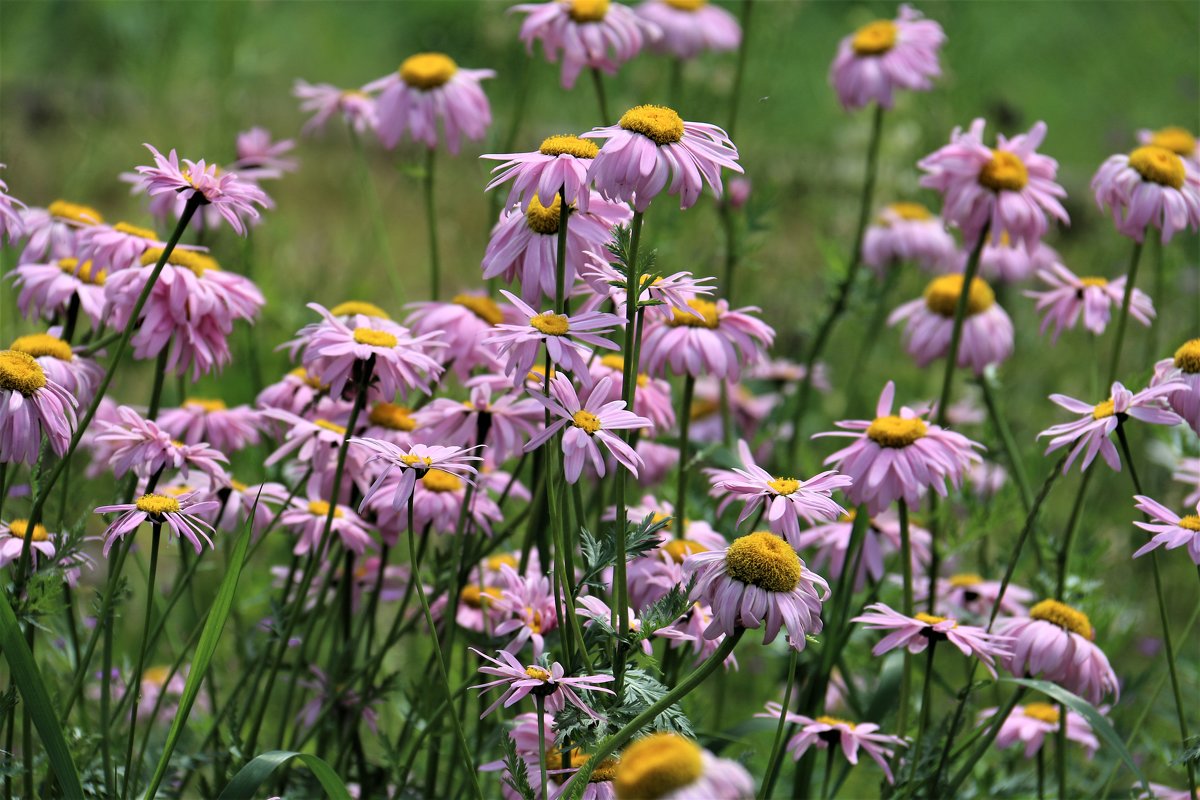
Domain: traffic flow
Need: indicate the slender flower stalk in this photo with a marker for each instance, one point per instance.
(1114, 363)
(431, 224)
(960, 314)
(136, 684)
(906, 568)
(685, 416)
(777, 745)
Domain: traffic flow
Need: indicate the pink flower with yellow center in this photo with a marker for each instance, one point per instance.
(596, 34)
(1056, 642)
(1152, 187)
(356, 107)
(849, 737)
(1170, 530)
(690, 27)
(31, 404)
(918, 632)
(1091, 298)
(427, 89)
(707, 339)
(886, 55)
(987, 331)
(232, 197)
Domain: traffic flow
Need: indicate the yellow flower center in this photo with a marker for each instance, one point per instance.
(910, 211)
(764, 560)
(660, 124)
(1106, 409)
(588, 10)
(679, 549)
(320, 508)
(495, 562)
(784, 486)
(586, 421)
(156, 676)
(1063, 616)
(827, 720)
(657, 765)
(1097, 282)
(135, 230)
(479, 596)
(965, 579)
(483, 307)
(19, 372)
(709, 317)
(437, 480)
(875, 38)
(1042, 711)
(942, 293)
(537, 673)
(603, 772)
(893, 431)
(237, 485)
(43, 344)
(198, 263)
(1004, 172)
(157, 504)
(544, 219)
(567, 145)
(1190, 523)
(392, 417)
(353, 307)
(1178, 140)
(1158, 165)
(325, 424)
(84, 273)
(206, 404)
(374, 338)
(617, 364)
(704, 408)
(311, 380)
(20, 527)
(929, 619)
(420, 462)
(84, 215)
(687, 5)
(1187, 357)
(551, 324)
(427, 70)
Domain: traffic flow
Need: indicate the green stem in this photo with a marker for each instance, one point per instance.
(777, 746)
(1060, 752)
(1064, 551)
(1041, 772)
(906, 567)
(825, 779)
(136, 683)
(926, 698)
(1114, 364)
(601, 97)
(540, 702)
(985, 742)
(739, 73)
(960, 316)
(1011, 454)
(685, 416)
(431, 223)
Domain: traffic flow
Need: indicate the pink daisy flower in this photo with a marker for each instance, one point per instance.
(1179, 141)
(528, 603)
(232, 197)
(313, 442)
(461, 325)
(710, 340)
(260, 156)
(47, 289)
(1092, 431)
(886, 55)
(970, 594)
(1069, 297)
(325, 100)
(211, 420)
(52, 232)
(690, 27)
(1004, 262)
(1160, 792)
(687, 633)
(557, 168)
(116, 247)
(1031, 723)
(413, 462)
(987, 331)
(900, 456)
(296, 392)
(182, 515)
(141, 446)
(882, 538)
(438, 499)
(77, 374)
(1183, 368)
(12, 542)
(668, 766)
(915, 634)
(986, 479)
(428, 88)
(759, 581)
(1170, 530)
(1009, 189)
(1150, 187)
(1057, 642)
(909, 232)
(661, 295)
(11, 226)
(850, 737)
(652, 145)
(504, 420)
(520, 681)
(588, 425)
(31, 404)
(585, 33)
(652, 399)
(566, 339)
(306, 518)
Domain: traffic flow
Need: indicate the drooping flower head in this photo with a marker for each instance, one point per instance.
(909, 232)
(689, 27)
(427, 89)
(652, 145)
(206, 419)
(232, 197)
(53, 232)
(31, 404)
(307, 517)
(76, 373)
(1057, 642)
(1170, 530)
(49, 289)
(413, 462)
(262, 157)
(596, 34)
(183, 516)
(114, 247)
(558, 167)
(1183, 368)
(707, 339)
(566, 339)
(886, 55)
(987, 331)
(519, 681)
(11, 225)
(1091, 297)
(849, 737)
(1009, 189)
(917, 632)
(667, 766)
(1031, 723)
(12, 542)
(1152, 187)
(324, 100)
(1005, 262)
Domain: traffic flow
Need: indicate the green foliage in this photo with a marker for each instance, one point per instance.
(516, 777)
(254, 775)
(601, 553)
(641, 689)
(666, 609)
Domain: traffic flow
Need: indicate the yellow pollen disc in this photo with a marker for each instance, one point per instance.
(325, 424)
(679, 549)
(660, 124)
(420, 462)
(966, 579)
(1094, 281)
(1187, 357)
(588, 10)
(437, 480)
(764, 560)
(551, 324)
(1106, 409)
(20, 527)
(84, 273)
(1178, 140)
(544, 219)
(483, 307)
(613, 362)
(311, 380)
(537, 673)
(709, 317)
(1063, 616)
(320, 508)
(427, 70)
(352, 307)
(135, 230)
(849, 516)
(43, 344)
(784, 486)
(1042, 711)
(178, 491)
(875, 38)
(687, 5)
(198, 263)
(911, 211)
(942, 293)
(157, 504)
(156, 676)
(206, 404)
(495, 562)
(237, 485)
(535, 623)
(567, 145)
(374, 338)
(704, 408)
(20, 372)
(478, 597)
(893, 431)
(1004, 172)
(393, 417)
(929, 619)
(84, 215)
(657, 765)
(587, 421)
(1158, 165)
(1190, 523)
(826, 720)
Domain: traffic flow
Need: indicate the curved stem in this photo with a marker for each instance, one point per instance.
(1114, 363)
(1007, 442)
(431, 223)
(1064, 551)
(960, 315)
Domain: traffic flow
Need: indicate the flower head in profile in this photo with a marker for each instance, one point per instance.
(567, 339)
(1152, 187)
(140, 445)
(356, 107)
(660, 296)
(71, 370)
(12, 541)
(690, 27)
(462, 325)
(232, 197)
(1069, 298)
(1183, 368)
(1031, 723)
(53, 232)
(209, 419)
(987, 331)
(49, 289)
(849, 737)
(708, 338)
(1005, 262)
(595, 34)
(114, 247)
(31, 404)
(182, 514)
(1170, 530)
(971, 595)
(1007, 189)
(557, 168)
(668, 766)
(519, 681)
(306, 517)
(886, 55)
(11, 225)
(651, 149)
(428, 89)
(917, 632)
(881, 538)
(1057, 642)
(413, 462)
(260, 156)
(909, 232)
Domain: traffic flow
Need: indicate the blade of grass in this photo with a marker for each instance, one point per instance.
(252, 776)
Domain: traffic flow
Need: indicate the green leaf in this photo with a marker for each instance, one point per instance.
(252, 776)
(204, 650)
(1100, 724)
(33, 692)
